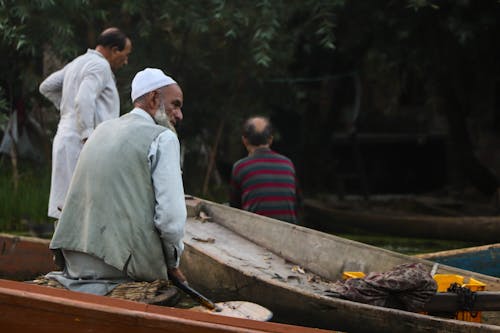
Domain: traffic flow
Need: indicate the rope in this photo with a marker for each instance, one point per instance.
(466, 297)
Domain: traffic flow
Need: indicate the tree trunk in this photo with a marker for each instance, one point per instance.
(213, 155)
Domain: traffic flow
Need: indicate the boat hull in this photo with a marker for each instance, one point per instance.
(24, 258)
(482, 259)
(222, 267)
(474, 229)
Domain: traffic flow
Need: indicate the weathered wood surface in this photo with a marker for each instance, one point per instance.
(32, 308)
(449, 302)
(477, 228)
(258, 259)
(482, 259)
(24, 258)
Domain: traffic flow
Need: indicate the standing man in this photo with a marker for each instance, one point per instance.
(125, 212)
(85, 93)
(264, 182)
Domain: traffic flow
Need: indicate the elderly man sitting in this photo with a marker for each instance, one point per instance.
(124, 216)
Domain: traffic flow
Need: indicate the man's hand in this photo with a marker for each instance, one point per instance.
(176, 273)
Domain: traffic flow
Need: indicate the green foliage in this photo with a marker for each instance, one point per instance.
(324, 15)
(235, 58)
(27, 204)
(266, 30)
(169, 34)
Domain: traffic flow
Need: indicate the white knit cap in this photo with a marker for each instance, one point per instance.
(149, 80)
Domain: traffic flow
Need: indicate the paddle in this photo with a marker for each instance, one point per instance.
(196, 295)
(238, 309)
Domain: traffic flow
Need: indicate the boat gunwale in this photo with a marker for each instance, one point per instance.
(456, 252)
(394, 216)
(73, 300)
(470, 228)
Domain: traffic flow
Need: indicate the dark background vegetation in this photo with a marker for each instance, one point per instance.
(366, 96)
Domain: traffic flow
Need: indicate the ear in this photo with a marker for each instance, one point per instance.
(153, 100)
(270, 141)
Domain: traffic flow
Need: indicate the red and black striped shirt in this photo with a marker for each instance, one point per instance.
(265, 183)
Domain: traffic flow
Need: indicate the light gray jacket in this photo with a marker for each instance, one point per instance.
(110, 207)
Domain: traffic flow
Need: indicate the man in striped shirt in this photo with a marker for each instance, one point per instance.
(264, 182)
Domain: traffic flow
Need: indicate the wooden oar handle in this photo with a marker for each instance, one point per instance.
(196, 295)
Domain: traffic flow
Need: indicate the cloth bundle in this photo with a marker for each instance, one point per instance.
(406, 287)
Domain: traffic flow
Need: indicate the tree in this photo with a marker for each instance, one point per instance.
(282, 59)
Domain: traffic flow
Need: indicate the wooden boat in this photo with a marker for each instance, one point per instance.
(24, 258)
(230, 253)
(32, 308)
(431, 220)
(27, 307)
(482, 259)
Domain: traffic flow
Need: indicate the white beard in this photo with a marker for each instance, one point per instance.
(161, 118)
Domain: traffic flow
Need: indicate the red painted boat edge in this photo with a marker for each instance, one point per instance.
(86, 306)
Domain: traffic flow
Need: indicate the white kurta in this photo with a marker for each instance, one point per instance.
(85, 93)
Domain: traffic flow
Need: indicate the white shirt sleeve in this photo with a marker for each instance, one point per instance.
(170, 207)
(93, 83)
(52, 86)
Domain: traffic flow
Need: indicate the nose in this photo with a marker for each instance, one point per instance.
(179, 115)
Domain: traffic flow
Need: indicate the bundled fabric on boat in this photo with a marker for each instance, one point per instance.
(407, 287)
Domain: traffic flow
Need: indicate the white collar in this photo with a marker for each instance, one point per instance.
(144, 114)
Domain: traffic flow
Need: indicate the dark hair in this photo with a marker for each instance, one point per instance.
(112, 37)
(254, 137)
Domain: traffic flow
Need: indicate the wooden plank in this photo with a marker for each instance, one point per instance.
(24, 258)
(55, 310)
(482, 259)
(476, 228)
(450, 302)
(455, 252)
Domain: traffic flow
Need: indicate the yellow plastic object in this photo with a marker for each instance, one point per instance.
(352, 275)
(445, 280)
(475, 285)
